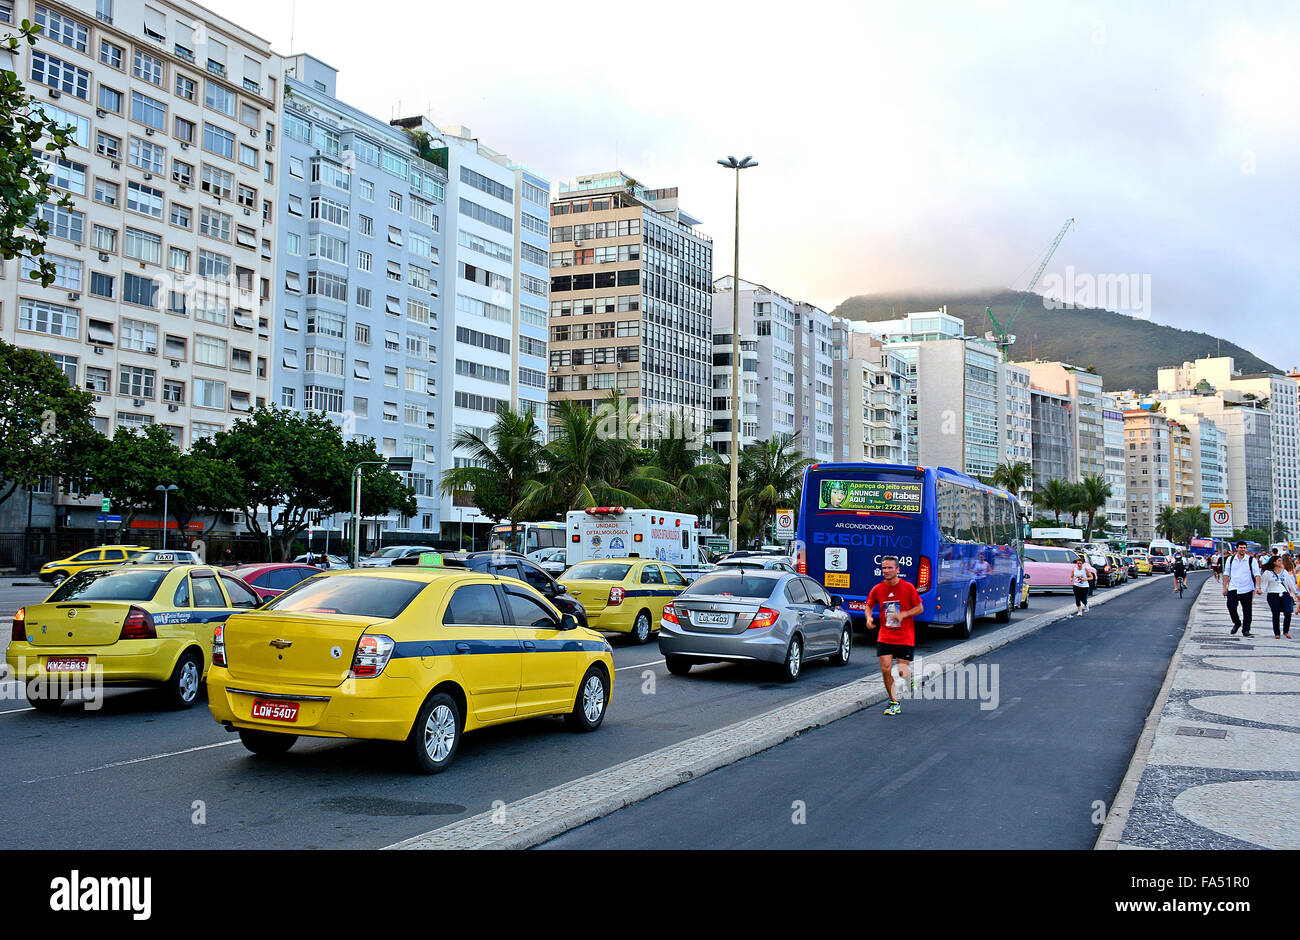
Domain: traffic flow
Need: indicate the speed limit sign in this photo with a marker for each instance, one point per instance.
(1221, 519)
(785, 523)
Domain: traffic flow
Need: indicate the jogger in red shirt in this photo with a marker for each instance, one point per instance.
(899, 603)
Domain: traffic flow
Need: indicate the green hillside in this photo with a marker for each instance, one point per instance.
(1125, 351)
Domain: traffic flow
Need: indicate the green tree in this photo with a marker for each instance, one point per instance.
(1167, 522)
(293, 465)
(46, 428)
(206, 487)
(771, 478)
(130, 466)
(1091, 495)
(1054, 496)
(1013, 476)
(1192, 520)
(1281, 533)
(503, 462)
(700, 477)
(27, 138)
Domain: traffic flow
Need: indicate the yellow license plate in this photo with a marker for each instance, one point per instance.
(837, 580)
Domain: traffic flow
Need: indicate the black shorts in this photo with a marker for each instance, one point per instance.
(1081, 595)
(895, 649)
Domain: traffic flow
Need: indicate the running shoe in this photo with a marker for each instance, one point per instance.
(912, 684)
(893, 709)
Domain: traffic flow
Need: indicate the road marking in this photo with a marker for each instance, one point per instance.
(905, 779)
(637, 666)
(998, 713)
(135, 760)
(17, 710)
(1051, 672)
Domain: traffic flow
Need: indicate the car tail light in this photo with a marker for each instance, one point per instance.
(923, 575)
(138, 625)
(20, 625)
(373, 651)
(765, 617)
(670, 613)
(801, 562)
(219, 645)
(616, 595)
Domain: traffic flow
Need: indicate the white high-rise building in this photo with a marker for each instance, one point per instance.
(767, 363)
(1116, 472)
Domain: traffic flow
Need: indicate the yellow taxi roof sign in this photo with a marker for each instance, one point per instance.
(430, 559)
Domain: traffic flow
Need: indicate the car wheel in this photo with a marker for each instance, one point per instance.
(678, 665)
(266, 743)
(435, 736)
(641, 628)
(58, 578)
(1004, 616)
(182, 689)
(841, 655)
(793, 660)
(44, 701)
(589, 707)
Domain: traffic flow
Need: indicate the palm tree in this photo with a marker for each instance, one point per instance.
(1167, 522)
(694, 468)
(500, 464)
(1192, 520)
(771, 478)
(1013, 476)
(1055, 497)
(1092, 494)
(584, 465)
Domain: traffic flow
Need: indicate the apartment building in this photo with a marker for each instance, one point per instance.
(871, 384)
(767, 363)
(1112, 419)
(1053, 436)
(359, 291)
(1083, 389)
(631, 302)
(814, 376)
(1149, 487)
(1015, 415)
(166, 258)
(1183, 469)
(1245, 445)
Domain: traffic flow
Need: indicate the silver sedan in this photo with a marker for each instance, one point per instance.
(752, 614)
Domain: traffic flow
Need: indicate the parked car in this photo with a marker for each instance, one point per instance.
(168, 557)
(624, 595)
(56, 572)
(272, 580)
(552, 560)
(1048, 568)
(383, 558)
(758, 560)
(509, 565)
(757, 614)
(335, 561)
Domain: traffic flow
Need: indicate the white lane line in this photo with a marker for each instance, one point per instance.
(617, 667)
(136, 760)
(17, 710)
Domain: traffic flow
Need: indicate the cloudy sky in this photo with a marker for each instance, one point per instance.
(901, 145)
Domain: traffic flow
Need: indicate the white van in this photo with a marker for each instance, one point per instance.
(615, 532)
(1162, 553)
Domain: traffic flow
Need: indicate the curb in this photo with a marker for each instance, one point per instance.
(1113, 831)
(543, 816)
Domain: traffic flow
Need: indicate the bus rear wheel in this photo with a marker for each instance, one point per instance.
(967, 625)
(1004, 616)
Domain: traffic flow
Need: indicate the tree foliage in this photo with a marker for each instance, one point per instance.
(771, 478)
(130, 466)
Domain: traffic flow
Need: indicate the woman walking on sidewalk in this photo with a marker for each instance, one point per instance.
(1280, 589)
(1082, 576)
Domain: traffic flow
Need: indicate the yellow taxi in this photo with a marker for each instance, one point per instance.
(1143, 564)
(56, 572)
(136, 625)
(419, 655)
(624, 595)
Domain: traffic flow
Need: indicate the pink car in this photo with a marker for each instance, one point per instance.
(1048, 568)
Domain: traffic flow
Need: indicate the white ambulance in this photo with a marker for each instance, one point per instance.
(615, 532)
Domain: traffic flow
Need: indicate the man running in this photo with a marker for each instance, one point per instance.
(1241, 574)
(1082, 577)
(898, 603)
(1180, 573)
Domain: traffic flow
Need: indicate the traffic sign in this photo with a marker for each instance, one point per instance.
(785, 523)
(1221, 520)
(104, 504)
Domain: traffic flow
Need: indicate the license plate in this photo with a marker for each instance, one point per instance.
(275, 711)
(837, 580)
(67, 664)
(722, 620)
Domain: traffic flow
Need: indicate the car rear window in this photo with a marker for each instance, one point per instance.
(381, 598)
(112, 585)
(597, 571)
(737, 584)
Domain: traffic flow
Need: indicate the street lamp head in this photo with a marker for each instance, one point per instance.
(170, 488)
(732, 163)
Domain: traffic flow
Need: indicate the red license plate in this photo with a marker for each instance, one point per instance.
(67, 663)
(275, 711)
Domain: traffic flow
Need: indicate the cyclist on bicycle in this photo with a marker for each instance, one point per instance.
(1180, 574)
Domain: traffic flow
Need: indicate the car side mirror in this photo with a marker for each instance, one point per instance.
(560, 588)
(837, 601)
(568, 622)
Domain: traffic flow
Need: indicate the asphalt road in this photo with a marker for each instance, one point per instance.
(1036, 771)
(131, 775)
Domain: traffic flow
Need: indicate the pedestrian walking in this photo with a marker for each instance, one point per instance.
(1291, 600)
(899, 603)
(1082, 577)
(1279, 588)
(1241, 575)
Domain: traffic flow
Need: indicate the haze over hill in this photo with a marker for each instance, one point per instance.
(1124, 350)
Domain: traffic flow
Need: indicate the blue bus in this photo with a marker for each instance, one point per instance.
(958, 541)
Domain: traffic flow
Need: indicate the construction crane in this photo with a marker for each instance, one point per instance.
(1003, 335)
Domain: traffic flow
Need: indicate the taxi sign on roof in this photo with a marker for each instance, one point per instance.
(430, 560)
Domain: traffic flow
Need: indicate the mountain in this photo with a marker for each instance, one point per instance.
(1124, 350)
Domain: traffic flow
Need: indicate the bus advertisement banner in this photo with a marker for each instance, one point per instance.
(870, 496)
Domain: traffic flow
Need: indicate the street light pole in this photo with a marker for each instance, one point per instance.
(165, 490)
(733, 515)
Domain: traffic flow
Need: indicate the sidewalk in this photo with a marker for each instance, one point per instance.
(1218, 765)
